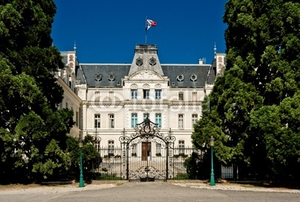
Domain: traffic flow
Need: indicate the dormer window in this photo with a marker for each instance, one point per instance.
(111, 77)
(98, 77)
(139, 61)
(180, 77)
(193, 78)
(152, 61)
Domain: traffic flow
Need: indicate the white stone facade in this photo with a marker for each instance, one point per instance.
(171, 99)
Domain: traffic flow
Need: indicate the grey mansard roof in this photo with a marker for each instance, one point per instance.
(183, 76)
(102, 75)
(111, 75)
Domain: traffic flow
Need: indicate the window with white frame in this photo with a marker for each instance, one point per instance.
(111, 95)
(181, 146)
(180, 121)
(111, 121)
(97, 143)
(158, 149)
(158, 119)
(97, 121)
(146, 93)
(180, 95)
(194, 96)
(134, 120)
(194, 119)
(157, 94)
(134, 93)
(111, 147)
(134, 149)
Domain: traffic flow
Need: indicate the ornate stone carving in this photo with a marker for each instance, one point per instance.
(148, 75)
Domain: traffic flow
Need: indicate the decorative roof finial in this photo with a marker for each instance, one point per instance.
(75, 46)
(215, 48)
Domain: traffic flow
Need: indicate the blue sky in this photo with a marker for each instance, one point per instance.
(106, 31)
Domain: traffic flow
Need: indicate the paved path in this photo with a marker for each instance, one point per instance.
(146, 192)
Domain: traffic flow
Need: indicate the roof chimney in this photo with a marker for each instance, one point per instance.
(201, 61)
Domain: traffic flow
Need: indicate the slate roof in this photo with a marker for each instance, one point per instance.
(175, 73)
(110, 75)
(102, 75)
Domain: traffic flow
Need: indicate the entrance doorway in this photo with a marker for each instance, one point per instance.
(146, 150)
(150, 165)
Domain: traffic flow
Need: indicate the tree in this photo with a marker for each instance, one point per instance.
(277, 127)
(33, 132)
(91, 157)
(259, 84)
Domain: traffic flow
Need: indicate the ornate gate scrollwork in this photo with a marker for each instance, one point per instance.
(146, 133)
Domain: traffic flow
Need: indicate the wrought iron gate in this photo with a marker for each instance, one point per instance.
(147, 153)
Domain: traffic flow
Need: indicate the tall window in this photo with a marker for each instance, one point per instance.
(158, 149)
(180, 96)
(97, 143)
(158, 119)
(111, 95)
(157, 94)
(194, 119)
(111, 147)
(181, 146)
(111, 120)
(194, 96)
(180, 120)
(134, 148)
(146, 93)
(133, 120)
(133, 93)
(97, 121)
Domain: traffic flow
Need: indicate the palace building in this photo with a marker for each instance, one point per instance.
(109, 100)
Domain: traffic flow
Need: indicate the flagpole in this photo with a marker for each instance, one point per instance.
(146, 36)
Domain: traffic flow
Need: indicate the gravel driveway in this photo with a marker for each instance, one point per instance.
(146, 192)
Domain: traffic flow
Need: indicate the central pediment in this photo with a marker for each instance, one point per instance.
(146, 75)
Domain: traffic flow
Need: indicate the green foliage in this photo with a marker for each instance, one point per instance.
(181, 176)
(33, 132)
(90, 157)
(107, 176)
(254, 107)
(277, 127)
(197, 166)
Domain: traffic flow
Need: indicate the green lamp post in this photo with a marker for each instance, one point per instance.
(212, 175)
(81, 183)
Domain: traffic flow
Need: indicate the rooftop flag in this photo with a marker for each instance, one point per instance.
(150, 23)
